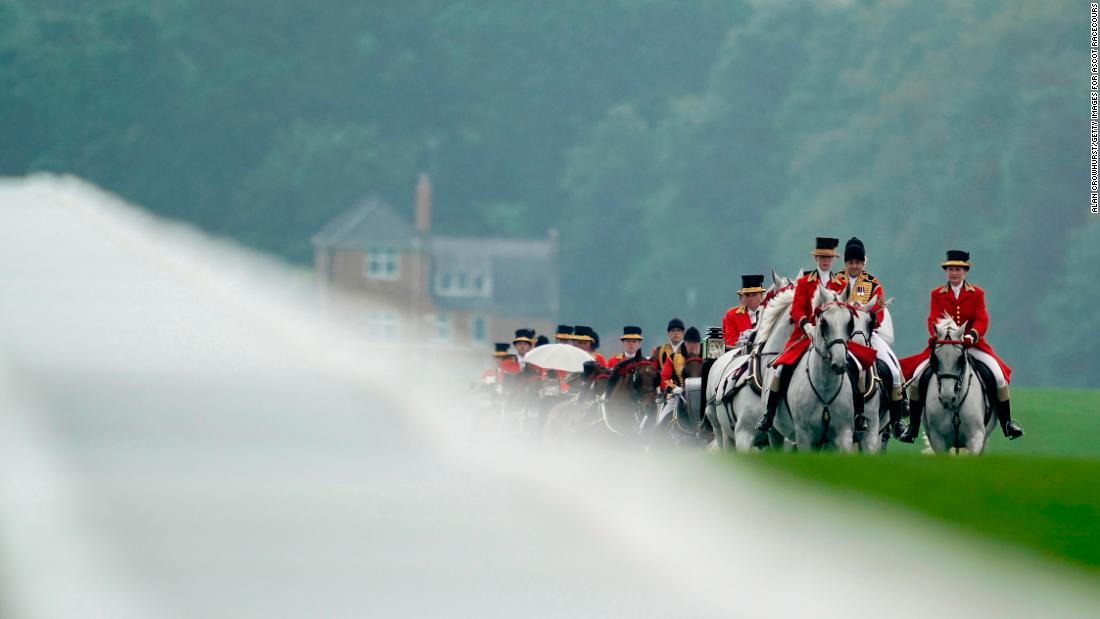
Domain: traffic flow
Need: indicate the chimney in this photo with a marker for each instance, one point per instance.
(423, 204)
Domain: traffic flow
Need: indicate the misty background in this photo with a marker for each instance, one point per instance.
(674, 146)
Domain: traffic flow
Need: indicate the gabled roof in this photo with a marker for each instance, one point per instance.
(371, 222)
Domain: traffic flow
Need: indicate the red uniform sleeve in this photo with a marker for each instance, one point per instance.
(802, 306)
(981, 318)
(878, 297)
(666, 372)
(729, 328)
(933, 312)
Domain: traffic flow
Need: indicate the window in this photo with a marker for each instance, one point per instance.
(443, 328)
(383, 326)
(479, 330)
(462, 285)
(382, 263)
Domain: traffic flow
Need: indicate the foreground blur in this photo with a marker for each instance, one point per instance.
(184, 433)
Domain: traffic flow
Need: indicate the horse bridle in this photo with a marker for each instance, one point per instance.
(817, 314)
(958, 378)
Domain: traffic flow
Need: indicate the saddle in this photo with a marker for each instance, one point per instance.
(989, 386)
(749, 371)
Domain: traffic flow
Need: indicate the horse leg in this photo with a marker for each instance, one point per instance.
(843, 439)
(936, 440)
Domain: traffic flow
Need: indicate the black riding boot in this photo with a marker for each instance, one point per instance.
(897, 410)
(768, 418)
(1004, 415)
(861, 424)
(916, 409)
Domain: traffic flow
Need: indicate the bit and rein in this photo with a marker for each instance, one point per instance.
(958, 378)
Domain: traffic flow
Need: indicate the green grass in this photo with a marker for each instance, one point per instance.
(1041, 491)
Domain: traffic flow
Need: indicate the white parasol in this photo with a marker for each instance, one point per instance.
(558, 357)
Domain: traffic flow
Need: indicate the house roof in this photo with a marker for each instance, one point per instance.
(523, 274)
(371, 222)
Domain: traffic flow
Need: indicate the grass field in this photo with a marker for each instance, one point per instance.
(1041, 491)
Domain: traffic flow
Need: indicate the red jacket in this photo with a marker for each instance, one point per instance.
(734, 323)
(802, 312)
(969, 308)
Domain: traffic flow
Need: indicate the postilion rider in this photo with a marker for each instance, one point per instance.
(802, 316)
(965, 303)
(739, 320)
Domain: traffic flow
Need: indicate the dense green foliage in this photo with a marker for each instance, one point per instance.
(1039, 491)
(675, 145)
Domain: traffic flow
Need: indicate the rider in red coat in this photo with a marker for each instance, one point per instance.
(802, 316)
(743, 317)
(965, 303)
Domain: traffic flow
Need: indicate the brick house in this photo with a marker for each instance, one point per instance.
(428, 289)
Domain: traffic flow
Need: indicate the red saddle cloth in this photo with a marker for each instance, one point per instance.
(864, 354)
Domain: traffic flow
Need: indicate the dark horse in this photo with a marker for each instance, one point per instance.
(630, 398)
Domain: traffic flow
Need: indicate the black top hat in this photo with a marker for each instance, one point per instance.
(692, 335)
(564, 332)
(596, 343)
(957, 258)
(582, 332)
(675, 323)
(751, 283)
(630, 332)
(501, 349)
(826, 246)
(541, 341)
(854, 250)
(524, 335)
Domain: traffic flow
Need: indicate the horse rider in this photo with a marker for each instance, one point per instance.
(742, 319)
(802, 316)
(965, 303)
(663, 352)
(632, 344)
(672, 369)
(585, 339)
(864, 288)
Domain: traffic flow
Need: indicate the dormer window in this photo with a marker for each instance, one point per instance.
(462, 285)
(382, 263)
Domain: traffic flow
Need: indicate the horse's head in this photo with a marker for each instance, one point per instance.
(644, 378)
(693, 368)
(866, 319)
(835, 324)
(949, 361)
(778, 281)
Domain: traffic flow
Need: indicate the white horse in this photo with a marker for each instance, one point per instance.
(734, 405)
(877, 404)
(956, 419)
(818, 411)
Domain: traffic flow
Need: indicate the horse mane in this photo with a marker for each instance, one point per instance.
(776, 307)
(945, 323)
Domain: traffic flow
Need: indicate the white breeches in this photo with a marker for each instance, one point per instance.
(887, 356)
(982, 358)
